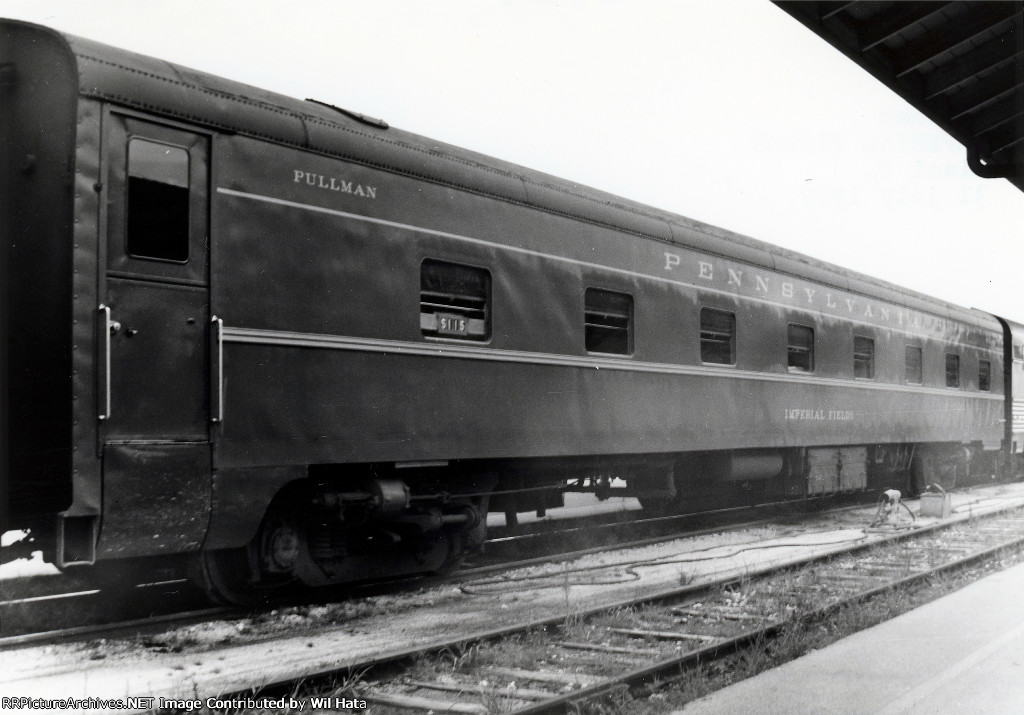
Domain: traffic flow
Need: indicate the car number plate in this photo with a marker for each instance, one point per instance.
(452, 324)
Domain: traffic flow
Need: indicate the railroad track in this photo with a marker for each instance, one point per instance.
(312, 644)
(49, 606)
(554, 667)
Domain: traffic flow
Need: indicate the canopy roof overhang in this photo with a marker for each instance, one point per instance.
(960, 63)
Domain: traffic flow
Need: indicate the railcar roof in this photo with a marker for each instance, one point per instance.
(160, 87)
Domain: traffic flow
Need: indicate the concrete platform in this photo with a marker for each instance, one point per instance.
(963, 653)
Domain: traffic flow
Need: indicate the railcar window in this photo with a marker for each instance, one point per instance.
(952, 370)
(801, 348)
(984, 375)
(863, 357)
(454, 301)
(915, 365)
(717, 336)
(608, 322)
(157, 199)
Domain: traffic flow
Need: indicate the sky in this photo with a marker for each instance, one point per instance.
(729, 112)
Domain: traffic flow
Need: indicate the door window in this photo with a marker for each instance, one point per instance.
(158, 201)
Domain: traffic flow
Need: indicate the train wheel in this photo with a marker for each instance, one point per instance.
(456, 555)
(660, 505)
(946, 467)
(226, 576)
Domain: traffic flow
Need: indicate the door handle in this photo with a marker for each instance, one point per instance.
(107, 328)
(217, 363)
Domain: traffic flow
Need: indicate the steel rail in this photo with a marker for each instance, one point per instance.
(671, 594)
(473, 572)
(641, 676)
(111, 630)
(114, 629)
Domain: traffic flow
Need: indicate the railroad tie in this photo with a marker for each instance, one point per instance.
(619, 650)
(415, 702)
(515, 693)
(664, 635)
(539, 676)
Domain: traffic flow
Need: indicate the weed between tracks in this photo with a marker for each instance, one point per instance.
(803, 638)
(468, 666)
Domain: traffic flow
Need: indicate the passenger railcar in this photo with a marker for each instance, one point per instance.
(294, 344)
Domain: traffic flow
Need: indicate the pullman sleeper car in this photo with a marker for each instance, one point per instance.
(291, 344)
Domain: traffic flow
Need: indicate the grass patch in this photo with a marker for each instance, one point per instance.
(804, 637)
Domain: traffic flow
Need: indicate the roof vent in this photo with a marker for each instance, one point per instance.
(372, 121)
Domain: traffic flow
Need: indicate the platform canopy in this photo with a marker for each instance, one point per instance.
(960, 63)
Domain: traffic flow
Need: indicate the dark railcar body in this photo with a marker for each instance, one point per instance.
(313, 311)
(38, 100)
(1013, 367)
(325, 322)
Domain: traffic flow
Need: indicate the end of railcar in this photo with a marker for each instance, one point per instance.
(38, 96)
